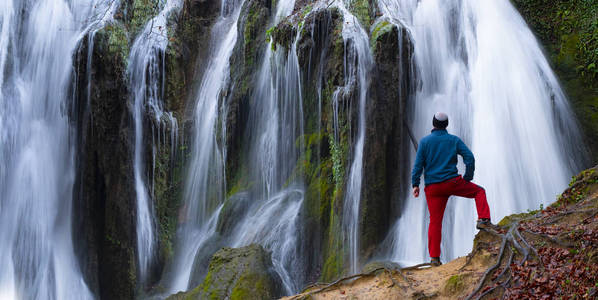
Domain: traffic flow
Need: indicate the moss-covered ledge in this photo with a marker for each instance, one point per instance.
(238, 274)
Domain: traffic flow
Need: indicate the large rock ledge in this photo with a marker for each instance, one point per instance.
(549, 253)
(238, 273)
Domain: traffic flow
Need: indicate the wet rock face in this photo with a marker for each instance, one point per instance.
(244, 65)
(105, 205)
(386, 151)
(238, 273)
(105, 199)
(326, 163)
(320, 49)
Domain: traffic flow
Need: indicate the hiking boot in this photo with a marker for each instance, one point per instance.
(485, 224)
(435, 262)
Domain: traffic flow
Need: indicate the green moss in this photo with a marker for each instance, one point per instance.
(379, 29)
(250, 286)
(282, 34)
(579, 188)
(454, 284)
(361, 10)
(118, 43)
(141, 11)
(508, 220)
(334, 251)
(256, 19)
(333, 267)
(241, 273)
(168, 182)
(239, 181)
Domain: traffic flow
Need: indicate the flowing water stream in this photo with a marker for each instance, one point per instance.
(204, 188)
(478, 61)
(37, 169)
(358, 62)
(145, 69)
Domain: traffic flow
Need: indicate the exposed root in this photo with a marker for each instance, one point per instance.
(527, 244)
(371, 273)
(586, 220)
(491, 269)
(343, 279)
(512, 237)
(471, 255)
(556, 218)
(547, 237)
(416, 267)
(394, 282)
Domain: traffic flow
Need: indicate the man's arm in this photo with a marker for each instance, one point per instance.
(419, 165)
(468, 159)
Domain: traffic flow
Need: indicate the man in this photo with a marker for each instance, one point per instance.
(437, 157)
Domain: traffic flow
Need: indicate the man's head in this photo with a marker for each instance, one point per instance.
(440, 120)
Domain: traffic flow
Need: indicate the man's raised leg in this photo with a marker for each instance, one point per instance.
(463, 188)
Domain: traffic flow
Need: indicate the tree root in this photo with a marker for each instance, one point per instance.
(503, 285)
(561, 215)
(491, 269)
(527, 244)
(512, 237)
(469, 258)
(547, 237)
(371, 273)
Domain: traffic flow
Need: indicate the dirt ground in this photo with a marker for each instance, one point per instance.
(449, 281)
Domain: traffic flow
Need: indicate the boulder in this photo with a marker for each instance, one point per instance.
(238, 273)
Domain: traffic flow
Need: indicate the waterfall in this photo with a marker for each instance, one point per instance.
(275, 125)
(37, 169)
(479, 62)
(145, 71)
(358, 62)
(204, 187)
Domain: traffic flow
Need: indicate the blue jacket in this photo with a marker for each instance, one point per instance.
(437, 157)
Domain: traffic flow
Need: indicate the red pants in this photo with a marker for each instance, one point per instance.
(437, 195)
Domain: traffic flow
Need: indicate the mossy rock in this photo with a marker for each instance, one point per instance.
(113, 44)
(455, 284)
(238, 273)
(140, 12)
(508, 220)
(363, 10)
(282, 34)
(380, 28)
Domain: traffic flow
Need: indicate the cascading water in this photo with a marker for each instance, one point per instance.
(276, 125)
(145, 71)
(276, 122)
(37, 43)
(205, 184)
(357, 63)
(478, 61)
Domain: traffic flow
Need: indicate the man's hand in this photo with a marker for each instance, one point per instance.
(416, 191)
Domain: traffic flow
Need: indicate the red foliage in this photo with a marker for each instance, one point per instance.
(568, 274)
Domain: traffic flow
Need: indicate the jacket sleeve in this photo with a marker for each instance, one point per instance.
(419, 165)
(468, 159)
